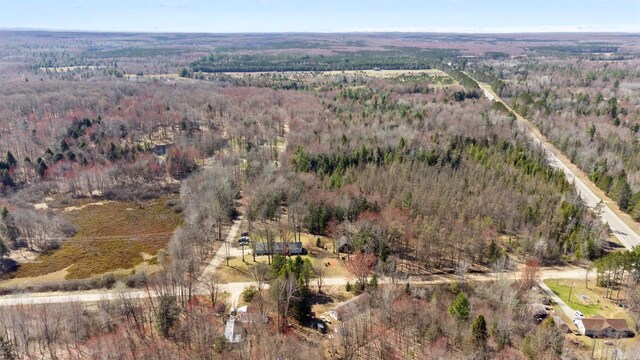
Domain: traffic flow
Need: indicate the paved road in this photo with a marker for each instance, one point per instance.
(620, 229)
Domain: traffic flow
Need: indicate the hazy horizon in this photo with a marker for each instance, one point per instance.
(331, 16)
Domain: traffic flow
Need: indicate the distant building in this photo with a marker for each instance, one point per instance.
(233, 330)
(599, 327)
(343, 245)
(349, 309)
(278, 248)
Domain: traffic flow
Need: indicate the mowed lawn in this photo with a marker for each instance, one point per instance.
(562, 290)
(111, 236)
(595, 302)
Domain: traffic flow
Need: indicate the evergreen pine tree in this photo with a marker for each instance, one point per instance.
(11, 160)
(460, 308)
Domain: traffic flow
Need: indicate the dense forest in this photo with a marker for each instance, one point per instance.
(436, 163)
(403, 59)
(421, 175)
(587, 109)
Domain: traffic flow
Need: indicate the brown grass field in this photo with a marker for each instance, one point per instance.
(112, 236)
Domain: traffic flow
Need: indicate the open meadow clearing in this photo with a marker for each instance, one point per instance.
(111, 236)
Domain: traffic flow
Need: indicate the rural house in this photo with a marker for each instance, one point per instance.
(233, 331)
(248, 317)
(599, 327)
(278, 248)
(242, 320)
(349, 309)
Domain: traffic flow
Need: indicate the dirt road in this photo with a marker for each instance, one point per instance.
(221, 254)
(235, 289)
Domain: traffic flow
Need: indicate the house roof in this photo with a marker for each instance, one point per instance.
(599, 323)
(233, 331)
(349, 309)
(342, 240)
(248, 317)
(295, 247)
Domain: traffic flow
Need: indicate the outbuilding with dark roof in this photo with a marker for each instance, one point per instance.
(343, 245)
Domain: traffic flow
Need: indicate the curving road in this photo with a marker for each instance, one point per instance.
(620, 229)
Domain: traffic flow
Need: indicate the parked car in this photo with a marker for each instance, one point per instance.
(325, 319)
(579, 315)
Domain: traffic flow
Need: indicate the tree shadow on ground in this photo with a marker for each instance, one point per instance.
(320, 299)
(7, 265)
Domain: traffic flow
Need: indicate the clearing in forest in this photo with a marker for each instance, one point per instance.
(112, 236)
(238, 271)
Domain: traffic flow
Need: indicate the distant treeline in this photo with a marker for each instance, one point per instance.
(363, 60)
(576, 49)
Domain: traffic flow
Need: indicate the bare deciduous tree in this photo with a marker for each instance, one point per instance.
(319, 273)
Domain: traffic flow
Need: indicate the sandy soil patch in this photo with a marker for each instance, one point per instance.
(23, 256)
(80, 207)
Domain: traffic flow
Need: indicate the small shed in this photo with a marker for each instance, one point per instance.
(343, 245)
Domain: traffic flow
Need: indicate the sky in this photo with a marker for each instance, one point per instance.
(233, 16)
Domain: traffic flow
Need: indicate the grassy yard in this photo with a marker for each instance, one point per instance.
(238, 271)
(589, 307)
(112, 236)
(594, 302)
